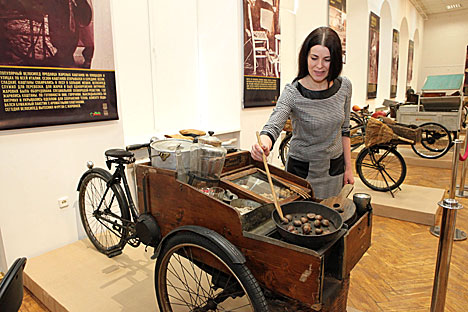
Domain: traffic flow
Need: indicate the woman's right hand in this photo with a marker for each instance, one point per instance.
(257, 151)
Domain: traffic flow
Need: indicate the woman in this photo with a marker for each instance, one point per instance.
(318, 102)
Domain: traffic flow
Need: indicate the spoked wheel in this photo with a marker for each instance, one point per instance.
(194, 274)
(381, 168)
(356, 131)
(103, 225)
(284, 147)
(435, 141)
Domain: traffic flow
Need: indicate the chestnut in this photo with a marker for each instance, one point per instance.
(306, 229)
(290, 228)
(289, 217)
(325, 222)
(304, 219)
(317, 223)
(311, 216)
(318, 217)
(295, 232)
(318, 231)
(326, 232)
(297, 223)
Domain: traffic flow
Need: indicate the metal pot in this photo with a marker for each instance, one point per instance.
(302, 208)
(163, 153)
(362, 201)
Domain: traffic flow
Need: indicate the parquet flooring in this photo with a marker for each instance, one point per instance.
(397, 272)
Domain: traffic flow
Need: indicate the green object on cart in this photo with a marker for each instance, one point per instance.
(443, 82)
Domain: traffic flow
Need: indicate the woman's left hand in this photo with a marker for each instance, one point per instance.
(348, 177)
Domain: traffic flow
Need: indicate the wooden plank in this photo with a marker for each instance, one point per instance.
(357, 241)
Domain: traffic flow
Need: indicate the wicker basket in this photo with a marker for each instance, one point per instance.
(378, 132)
(355, 137)
(288, 126)
(407, 132)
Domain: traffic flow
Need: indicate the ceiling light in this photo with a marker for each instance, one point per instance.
(453, 6)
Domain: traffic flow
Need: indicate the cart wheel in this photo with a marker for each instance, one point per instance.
(381, 168)
(435, 141)
(104, 226)
(284, 147)
(194, 274)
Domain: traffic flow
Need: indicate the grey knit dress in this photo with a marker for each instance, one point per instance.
(319, 120)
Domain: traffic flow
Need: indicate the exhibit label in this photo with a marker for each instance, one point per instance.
(32, 97)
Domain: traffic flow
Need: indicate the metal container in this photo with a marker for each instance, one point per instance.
(163, 153)
(301, 208)
(362, 201)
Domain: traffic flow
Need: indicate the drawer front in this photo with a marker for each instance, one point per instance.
(357, 241)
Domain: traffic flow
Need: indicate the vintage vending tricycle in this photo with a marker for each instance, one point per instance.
(224, 247)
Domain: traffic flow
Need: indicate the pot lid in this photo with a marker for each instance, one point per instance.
(210, 139)
(171, 145)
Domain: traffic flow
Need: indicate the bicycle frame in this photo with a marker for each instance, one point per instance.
(118, 177)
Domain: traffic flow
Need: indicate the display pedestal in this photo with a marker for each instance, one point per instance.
(413, 203)
(78, 278)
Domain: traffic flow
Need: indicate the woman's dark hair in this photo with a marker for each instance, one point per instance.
(327, 37)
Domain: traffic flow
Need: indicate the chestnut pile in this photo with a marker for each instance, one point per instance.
(307, 225)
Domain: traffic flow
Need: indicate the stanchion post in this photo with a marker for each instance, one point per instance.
(447, 229)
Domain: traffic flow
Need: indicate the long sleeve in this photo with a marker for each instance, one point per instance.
(280, 114)
(347, 108)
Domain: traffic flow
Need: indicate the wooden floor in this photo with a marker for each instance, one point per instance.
(397, 272)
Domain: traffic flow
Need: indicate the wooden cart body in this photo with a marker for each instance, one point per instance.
(318, 279)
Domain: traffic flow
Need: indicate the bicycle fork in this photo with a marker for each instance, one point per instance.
(381, 168)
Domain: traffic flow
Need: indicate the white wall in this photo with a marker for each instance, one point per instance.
(444, 45)
(177, 66)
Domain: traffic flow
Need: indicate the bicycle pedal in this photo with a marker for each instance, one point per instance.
(114, 252)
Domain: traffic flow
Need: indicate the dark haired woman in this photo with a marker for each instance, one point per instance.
(318, 103)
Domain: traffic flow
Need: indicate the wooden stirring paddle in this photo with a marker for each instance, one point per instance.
(265, 164)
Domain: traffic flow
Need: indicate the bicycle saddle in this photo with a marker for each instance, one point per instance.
(118, 153)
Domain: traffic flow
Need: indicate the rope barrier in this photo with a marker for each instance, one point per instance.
(465, 156)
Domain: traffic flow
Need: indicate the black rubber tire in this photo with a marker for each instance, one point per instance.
(176, 255)
(356, 132)
(436, 141)
(107, 233)
(382, 164)
(284, 147)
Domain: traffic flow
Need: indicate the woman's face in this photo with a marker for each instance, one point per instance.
(318, 62)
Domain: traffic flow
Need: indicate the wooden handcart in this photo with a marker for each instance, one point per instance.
(202, 233)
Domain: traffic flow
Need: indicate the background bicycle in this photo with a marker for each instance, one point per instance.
(435, 140)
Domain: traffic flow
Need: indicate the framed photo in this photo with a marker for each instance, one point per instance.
(409, 76)
(48, 69)
(395, 60)
(372, 73)
(262, 42)
(337, 21)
